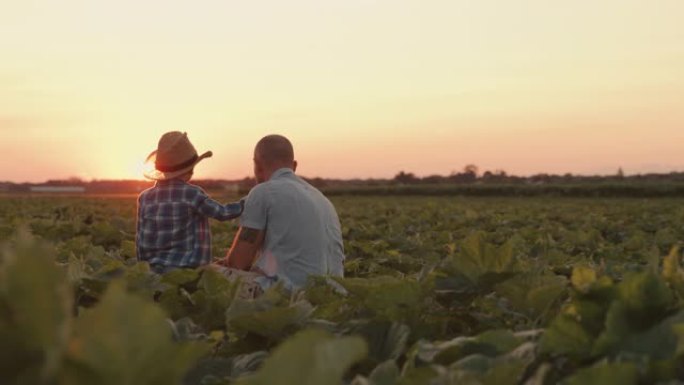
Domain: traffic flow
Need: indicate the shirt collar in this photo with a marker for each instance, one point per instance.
(170, 181)
(280, 172)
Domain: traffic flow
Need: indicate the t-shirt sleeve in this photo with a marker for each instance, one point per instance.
(255, 213)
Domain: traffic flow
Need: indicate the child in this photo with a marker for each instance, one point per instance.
(173, 216)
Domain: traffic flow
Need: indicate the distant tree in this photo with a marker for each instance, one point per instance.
(405, 178)
(75, 180)
(433, 179)
(462, 177)
(65, 182)
(317, 182)
(620, 173)
(471, 169)
(497, 176)
(540, 178)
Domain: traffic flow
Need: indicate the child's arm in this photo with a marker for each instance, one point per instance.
(213, 209)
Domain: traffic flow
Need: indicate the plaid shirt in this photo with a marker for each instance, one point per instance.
(173, 224)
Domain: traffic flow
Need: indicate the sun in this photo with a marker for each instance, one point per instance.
(137, 169)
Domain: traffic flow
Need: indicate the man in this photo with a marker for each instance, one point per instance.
(288, 229)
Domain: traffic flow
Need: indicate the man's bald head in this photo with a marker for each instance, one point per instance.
(271, 153)
(274, 150)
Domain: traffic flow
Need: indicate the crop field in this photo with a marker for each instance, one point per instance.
(438, 290)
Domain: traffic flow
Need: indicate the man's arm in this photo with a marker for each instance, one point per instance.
(245, 246)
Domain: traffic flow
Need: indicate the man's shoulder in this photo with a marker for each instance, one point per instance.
(314, 191)
(260, 190)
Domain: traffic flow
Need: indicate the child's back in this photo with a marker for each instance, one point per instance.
(173, 224)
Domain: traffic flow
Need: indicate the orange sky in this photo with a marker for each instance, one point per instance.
(363, 88)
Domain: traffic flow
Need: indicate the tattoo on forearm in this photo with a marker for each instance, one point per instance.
(248, 235)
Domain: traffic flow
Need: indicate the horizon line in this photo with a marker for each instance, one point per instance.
(479, 175)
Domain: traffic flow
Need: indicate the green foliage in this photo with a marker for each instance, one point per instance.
(386, 298)
(583, 278)
(111, 347)
(309, 358)
(533, 294)
(268, 316)
(490, 344)
(606, 374)
(35, 305)
(437, 291)
(122, 340)
(566, 336)
(481, 262)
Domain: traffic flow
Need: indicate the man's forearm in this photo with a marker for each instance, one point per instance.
(245, 246)
(238, 260)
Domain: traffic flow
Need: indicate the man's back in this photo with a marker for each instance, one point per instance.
(303, 235)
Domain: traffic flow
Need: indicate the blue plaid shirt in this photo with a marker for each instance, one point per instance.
(173, 224)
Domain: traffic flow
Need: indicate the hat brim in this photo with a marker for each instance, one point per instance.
(155, 174)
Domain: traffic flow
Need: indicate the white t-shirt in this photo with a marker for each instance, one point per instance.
(303, 235)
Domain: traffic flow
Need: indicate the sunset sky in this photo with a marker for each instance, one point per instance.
(363, 88)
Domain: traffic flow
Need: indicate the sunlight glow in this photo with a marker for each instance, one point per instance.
(363, 88)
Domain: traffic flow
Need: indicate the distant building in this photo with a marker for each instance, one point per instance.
(57, 189)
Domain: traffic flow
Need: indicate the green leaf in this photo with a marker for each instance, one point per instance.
(387, 373)
(483, 262)
(387, 298)
(179, 277)
(606, 374)
(35, 307)
(386, 340)
(673, 272)
(645, 294)
(566, 336)
(418, 376)
(590, 314)
(666, 238)
(617, 327)
(583, 278)
(532, 294)
(658, 342)
(478, 369)
(311, 357)
(128, 250)
(140, 279)
(220, 369)
(262, 317)
(214, 295)
(678, 330)
(126, 340)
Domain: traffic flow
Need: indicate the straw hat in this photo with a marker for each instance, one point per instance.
(175, 156)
